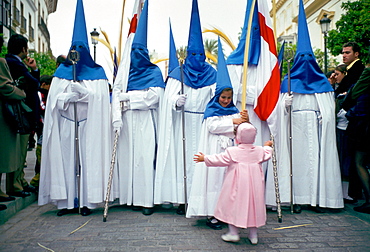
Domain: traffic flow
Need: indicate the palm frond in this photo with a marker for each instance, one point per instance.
(120, 34)
(105, 36)
(104, 43)
(159, 60)
(211, 57)
(223, 36)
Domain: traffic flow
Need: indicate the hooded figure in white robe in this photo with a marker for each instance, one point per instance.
(59, 183)
(315, 166)
(137, 122)
(217, 133)
(199, 79)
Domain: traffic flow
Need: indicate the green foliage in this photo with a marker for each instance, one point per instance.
(290, 49)
(319, 55)
(45, 62)
(354, 26)
(181, 52)
(3, 52)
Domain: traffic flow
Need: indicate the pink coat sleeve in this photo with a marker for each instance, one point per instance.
(222, 159)
(267, 153)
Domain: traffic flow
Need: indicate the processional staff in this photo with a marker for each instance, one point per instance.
(74, 57)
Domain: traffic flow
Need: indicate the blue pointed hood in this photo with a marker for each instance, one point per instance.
(197, 72)
(86, 68)
(174, 61)
(306, 76)
(214, 108)
(237, 56)
(143, 74)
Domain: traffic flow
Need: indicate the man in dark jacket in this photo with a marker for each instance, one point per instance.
(351, 54)
(19, 62)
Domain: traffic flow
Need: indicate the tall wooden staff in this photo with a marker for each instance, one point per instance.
(183, 134)
(246, 57)
(74, 57)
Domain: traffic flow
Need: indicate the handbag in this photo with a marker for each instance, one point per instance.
(17, 114)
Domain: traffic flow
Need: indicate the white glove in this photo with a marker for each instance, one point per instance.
(288, 100)
(342, 114)
(124, 97)
(320, 119)
(181, 100)
(117, 125)
(78, 88)
(71, 97)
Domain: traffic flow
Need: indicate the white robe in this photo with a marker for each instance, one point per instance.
(216, 135)
(169, 177)
(137, 146)
(58, 183)
(315, 165)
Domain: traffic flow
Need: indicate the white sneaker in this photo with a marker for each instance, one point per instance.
(230, 238)
(254, 241)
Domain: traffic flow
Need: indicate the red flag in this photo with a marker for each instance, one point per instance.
(268, 80)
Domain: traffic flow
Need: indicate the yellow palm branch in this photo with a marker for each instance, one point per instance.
(223, 36)
(211, 57)
(105, 36)
(159, 60)
(104, 43)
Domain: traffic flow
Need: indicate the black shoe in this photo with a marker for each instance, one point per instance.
(85, 211)
(297, 209)
(365, 208)
(214, 224)
(5, 199)
(2, 207)
(148, 210)
(29, 188)
(22, 194)
(181, 209)
(136, 208)
(317, 209)
(64, 212)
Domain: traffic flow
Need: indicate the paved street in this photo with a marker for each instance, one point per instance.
(38, 228)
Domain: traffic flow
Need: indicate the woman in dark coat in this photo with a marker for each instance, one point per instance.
(357, 105)
(10, 140)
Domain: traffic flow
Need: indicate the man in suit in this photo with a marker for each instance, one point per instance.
(351, 54)
(19, 62)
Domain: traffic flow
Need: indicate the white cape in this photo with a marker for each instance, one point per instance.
(315, 165)
(137, 146)
(58, 182)
(169, 177)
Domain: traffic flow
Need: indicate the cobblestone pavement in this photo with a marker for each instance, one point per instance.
(38, 228)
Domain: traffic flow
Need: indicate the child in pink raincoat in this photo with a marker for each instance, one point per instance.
(241, 203)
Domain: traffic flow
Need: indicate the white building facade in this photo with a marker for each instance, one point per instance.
(29, 18)
(287, 19)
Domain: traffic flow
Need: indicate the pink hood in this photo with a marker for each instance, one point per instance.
(245, 134)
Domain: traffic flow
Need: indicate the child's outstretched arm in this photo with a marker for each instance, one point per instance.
(199, 157)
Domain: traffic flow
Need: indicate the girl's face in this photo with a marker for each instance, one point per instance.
(225, 98)
(339, 76)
